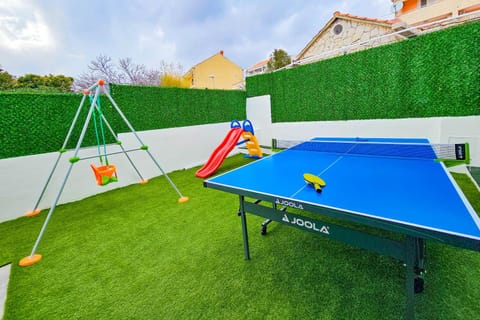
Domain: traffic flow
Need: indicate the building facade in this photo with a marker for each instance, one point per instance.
(216, 72)
(346, 33)
(419, 12)
(257, 68)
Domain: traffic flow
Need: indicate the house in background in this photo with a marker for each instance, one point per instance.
(216, 72)
(257, 68)
(343, 33)
(346, 33)
(420, 12)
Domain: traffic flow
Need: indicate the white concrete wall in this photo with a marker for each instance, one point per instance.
(174, 149)
(258, 112)
(4, 277)
(437, 130)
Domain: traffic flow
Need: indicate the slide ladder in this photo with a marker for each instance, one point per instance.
(253, 147)
(251, 141)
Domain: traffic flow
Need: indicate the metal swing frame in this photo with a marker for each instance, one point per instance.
(99, 88)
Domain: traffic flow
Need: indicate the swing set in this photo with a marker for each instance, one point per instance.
(105, 173)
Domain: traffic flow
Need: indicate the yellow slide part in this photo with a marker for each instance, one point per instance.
(252, 144)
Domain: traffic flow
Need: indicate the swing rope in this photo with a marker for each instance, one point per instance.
(105, 173)
(97, 117)
(102, 131)
(96, 134)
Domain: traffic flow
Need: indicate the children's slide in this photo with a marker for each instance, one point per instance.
(220, 153)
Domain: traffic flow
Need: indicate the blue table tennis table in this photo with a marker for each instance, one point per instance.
(391, 184)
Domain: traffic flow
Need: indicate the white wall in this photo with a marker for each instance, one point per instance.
(437, 130)
(177, 148)
(4, 278)
(258, 112)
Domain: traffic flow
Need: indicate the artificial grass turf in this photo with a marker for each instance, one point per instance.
(134, 253)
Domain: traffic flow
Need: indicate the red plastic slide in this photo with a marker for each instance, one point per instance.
(220, 153)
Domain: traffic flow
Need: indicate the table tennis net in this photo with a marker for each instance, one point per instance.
(380, 149)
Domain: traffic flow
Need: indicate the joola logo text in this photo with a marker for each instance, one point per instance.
(305, 224)
(288, 203)
(460, 151)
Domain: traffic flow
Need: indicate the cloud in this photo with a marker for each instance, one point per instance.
(22, 27)
(62, 37)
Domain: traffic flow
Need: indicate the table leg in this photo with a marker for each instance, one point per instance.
(419, 265)
(243, 217)
(410, 253)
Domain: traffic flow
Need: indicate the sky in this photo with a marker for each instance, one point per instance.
(62, 36)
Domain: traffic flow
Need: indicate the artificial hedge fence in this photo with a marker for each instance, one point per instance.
(34, 123)
(437, 74)
(164, 107)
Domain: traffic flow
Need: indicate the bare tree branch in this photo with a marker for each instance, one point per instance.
(126, 72)
(104, 67)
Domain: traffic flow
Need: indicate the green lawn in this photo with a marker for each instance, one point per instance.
(135, 253)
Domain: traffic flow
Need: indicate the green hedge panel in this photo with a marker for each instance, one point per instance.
(38, 123)
(437, 74)
(150, 108)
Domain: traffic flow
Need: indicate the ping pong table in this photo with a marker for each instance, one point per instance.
(392, 184)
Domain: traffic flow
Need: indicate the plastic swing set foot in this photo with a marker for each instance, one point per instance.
(29, 260)
(183, 199)
(143, 181)
(33, 213)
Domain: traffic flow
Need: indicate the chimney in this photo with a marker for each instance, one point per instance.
(221, 52)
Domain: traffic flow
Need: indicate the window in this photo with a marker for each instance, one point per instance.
(425, 3)
(337, 29)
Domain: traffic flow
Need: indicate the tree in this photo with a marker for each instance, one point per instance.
(59, 82)
(171, 68)
(50, 83)
(100, 68)
(171, 80)
(7, 82)
(126, 72)
(278, 59)
(31, 81)
(172, 76)
(138, 73)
